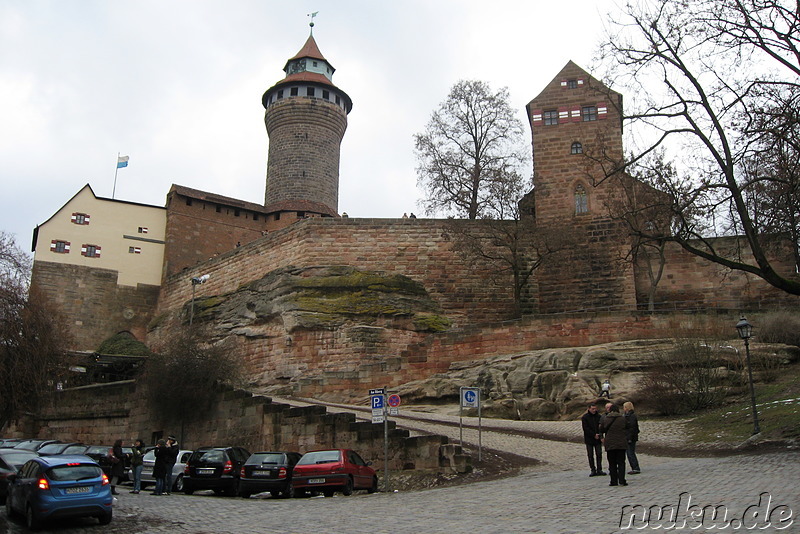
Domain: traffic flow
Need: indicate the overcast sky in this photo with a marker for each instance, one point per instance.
(177, 84)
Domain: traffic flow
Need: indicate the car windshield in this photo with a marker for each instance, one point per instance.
(264, 459)
(53, 448)
(74, 449)
(97, 449)
(208, 457)
(61, 473)
(18, 458)
(319, 457)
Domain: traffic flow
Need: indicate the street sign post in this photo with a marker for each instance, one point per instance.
(469, 398)
(378, 404)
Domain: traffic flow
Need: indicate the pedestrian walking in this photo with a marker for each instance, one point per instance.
(137, 464)
(615, 438)
(633, 437)
(591, 437)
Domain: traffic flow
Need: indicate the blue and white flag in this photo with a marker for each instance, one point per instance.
(122, 161)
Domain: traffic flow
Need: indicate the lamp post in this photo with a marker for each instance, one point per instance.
(745, 330)
(196, 281)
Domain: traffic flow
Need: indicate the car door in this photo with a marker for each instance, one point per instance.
(361, 477)
(19, 491)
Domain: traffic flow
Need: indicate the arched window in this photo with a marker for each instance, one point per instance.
(581, 200)
(576, 148)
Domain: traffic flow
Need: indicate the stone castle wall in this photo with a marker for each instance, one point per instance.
(93, 304)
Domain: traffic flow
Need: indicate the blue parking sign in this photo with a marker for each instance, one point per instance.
(377, 402)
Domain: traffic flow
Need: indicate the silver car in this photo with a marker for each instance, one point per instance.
(149, 461)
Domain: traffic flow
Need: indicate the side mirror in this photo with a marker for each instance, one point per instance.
(11, 478)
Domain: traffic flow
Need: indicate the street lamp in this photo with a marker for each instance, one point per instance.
(745, 330)
(196, 281)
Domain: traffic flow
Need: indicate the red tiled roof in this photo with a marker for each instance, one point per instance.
(310, 49)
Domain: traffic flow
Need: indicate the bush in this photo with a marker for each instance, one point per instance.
(779, 327)
(686, 378)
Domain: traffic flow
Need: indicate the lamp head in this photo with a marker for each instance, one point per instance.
(744, 328)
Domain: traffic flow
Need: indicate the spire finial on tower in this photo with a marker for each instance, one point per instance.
(311, 24)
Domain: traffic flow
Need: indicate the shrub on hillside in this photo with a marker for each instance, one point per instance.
(779, 327)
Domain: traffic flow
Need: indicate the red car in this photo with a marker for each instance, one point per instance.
(333, 470)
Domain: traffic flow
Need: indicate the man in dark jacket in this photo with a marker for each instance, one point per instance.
(591, 437)
(160, 467)
(633, 437)
(172, 456)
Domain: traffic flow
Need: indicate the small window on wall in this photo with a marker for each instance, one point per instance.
(90, 251)
(550, 117)
(188, 201)
(572, 84)
(80, 218)
(326, 94)
(255, 216)
(589, 113)
(134, 250)
(310, 91)
(142, 229)
(576, 148)
(581, 200)
(293, 91)
(59, 247)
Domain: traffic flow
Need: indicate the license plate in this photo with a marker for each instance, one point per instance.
(205, 471)
(316, 481)
(82, 489)
(261, 473)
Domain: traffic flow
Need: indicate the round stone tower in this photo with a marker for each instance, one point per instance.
(306, 117)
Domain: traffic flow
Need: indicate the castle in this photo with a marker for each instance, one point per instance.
(114, 266)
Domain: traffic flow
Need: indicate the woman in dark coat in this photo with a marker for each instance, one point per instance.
(160, 467)
(614, 428)
(633, 437)
(117, 465)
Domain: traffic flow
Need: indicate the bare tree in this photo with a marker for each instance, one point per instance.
(471, 146)
(683, 62)
(33, 338)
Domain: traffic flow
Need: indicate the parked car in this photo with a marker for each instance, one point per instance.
(9, 443)
(61, 448)
(149, 460)
(100, 454)
(10, 462)
(34, 444)
(333, 470)
(214, 468)
(268, 471)
(51, 487)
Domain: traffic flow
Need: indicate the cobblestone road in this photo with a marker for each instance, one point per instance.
(555, 497)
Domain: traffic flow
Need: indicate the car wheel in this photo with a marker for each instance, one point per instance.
(178, 484)
(348, 487)
(233, 491)
(328, 493)
(187, 490)
(32, 518)
(288, 492)
(374, 487)
(105, 518)
(275, 493)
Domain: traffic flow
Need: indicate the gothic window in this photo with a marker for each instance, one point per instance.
(550, 117)
(576, 148)
(589, 113)
(581, 200)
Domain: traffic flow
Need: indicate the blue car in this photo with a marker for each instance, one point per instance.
(51, 487)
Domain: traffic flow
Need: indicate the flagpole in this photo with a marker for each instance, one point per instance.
(116, 170)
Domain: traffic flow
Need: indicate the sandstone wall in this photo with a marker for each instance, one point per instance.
(94, 306)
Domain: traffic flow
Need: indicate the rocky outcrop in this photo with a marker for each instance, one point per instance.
(557, 383)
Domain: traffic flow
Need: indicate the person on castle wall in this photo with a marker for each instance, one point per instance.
(633, 437)
(117, 459)
(412, 216)
(405, 215)
(137, 465)
(160, 467)
(605, 389)
(591, 437)
(614, 428)
(172, 457)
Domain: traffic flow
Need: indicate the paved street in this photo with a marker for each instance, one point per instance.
(554, 497)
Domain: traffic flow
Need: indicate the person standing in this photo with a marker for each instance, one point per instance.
(591, 437)
(117, 458)
(172, 457)
(160, 467)
(615, 438)
(633, 437)
(137, 464)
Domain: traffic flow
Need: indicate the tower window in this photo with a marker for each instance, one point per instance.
(326, 94)
(293, 91)
(236, 213)
(255, 216)
(280, 94)
(338, 101)
(581, 200)
(589, 113)
(550, 117)
(219, 208)
(310, 91)
(314, 63)
(576, 148)
(188, 201)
